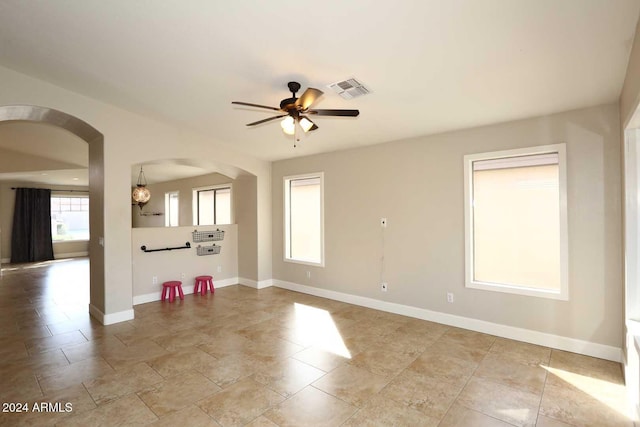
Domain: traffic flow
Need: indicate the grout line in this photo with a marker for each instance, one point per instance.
(544, 386)
(90, 395)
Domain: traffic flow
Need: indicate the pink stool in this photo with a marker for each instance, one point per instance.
(204, 283)
(170, 287)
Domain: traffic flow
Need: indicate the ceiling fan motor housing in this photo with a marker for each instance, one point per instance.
(294, 87)
(288, 104)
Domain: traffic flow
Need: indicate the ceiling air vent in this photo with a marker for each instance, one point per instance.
(349, 89)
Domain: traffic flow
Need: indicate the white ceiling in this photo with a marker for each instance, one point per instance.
(433, 66)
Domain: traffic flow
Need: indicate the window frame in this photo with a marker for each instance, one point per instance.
(195, 202)
(470, 282)
(287, 217)
(70, 194)
(167, 208)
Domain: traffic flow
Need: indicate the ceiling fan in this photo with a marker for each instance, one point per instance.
(296, 110)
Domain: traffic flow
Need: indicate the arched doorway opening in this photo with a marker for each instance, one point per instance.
(95, 141)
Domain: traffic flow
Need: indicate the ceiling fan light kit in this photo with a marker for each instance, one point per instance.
(294, 109)
(288, 125)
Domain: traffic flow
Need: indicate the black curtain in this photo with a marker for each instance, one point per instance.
(31, 234)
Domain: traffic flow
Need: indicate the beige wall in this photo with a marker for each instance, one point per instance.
(246, 203)
(7, 203)
(185, 188)
(170, 265)
(417, 185)
(630, 95)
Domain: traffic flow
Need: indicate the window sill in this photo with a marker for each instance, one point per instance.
(311, 263)
(518, 290)
(70, 241)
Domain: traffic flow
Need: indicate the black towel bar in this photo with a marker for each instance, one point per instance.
(186, 246)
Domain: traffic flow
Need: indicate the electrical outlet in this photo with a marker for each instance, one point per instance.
(383, 286)
(219, 269)
(383, 222)
(308, 275)
(449, 296)
(154, 280)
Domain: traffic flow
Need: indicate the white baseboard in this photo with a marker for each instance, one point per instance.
(56, 256)
(256, 285)
(72, 255)
(111, 318)
(526, 335)
(157, 296)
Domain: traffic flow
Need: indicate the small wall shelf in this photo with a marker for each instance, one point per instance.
(207, 236)
(208, 250)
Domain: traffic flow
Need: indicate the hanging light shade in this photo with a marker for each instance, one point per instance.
(288, 125)
(307, 125)
(141, 193)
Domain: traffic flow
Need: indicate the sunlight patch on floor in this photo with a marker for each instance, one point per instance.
(34, 265)
(318, 325)
(610, 394)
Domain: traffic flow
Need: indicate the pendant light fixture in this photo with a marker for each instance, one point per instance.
(141, 193)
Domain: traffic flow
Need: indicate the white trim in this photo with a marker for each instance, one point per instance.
(470, 282)
(516, 162)
(248, 282)
(254, 284)
(167, 207)
(57, 256)
(588, 348)
(265, 283)
(72, 255)
(187, 290)
(285, 219)
(111, 318)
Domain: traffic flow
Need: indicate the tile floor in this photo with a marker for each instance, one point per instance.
(273, 357)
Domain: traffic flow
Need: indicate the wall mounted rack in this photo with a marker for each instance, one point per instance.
(187, 245)
(209, 250)
(207, 236)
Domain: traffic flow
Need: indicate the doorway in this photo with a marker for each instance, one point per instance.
(95, 141)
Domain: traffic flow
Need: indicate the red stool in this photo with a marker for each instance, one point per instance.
(170, 288)
(203, 283)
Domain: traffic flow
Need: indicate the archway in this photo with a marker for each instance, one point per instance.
(95, 140)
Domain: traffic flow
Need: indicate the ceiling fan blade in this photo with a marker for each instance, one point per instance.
(266, 120)
(255, 105)
(345, 113)
(308, 97)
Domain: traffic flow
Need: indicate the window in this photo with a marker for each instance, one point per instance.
(304, 219)
(516, 221)
(212, 205)
(69, 218)
(171, 209)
